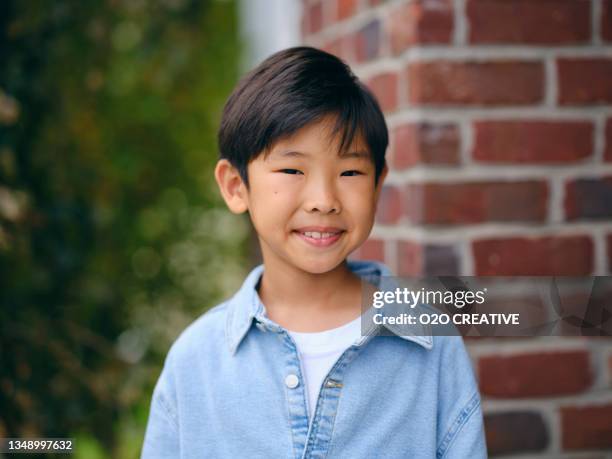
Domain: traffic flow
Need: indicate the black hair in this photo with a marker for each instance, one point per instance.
(287, 91)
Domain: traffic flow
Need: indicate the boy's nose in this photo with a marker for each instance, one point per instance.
(322, 197)
(325, 209)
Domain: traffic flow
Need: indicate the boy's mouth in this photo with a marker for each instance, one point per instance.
(319, 237)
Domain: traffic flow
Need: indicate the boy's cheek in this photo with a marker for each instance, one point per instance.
(363, 201)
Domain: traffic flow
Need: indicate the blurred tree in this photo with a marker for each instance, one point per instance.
(112, 235)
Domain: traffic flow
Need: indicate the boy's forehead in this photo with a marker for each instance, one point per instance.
(289, 153)
(316, 136)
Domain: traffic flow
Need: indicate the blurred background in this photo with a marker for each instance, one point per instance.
(113, 236)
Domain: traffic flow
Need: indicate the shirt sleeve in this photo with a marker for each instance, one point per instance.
(162, 433)
(461, 427)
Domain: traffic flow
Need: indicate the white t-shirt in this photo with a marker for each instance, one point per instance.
(319, 351)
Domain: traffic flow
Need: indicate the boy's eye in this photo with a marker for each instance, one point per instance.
(295, 172)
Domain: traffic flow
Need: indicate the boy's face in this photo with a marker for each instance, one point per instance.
(303, 191)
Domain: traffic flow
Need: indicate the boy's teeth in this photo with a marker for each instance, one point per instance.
(317, 235)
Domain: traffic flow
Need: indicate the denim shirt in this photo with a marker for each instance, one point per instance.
(232, 387)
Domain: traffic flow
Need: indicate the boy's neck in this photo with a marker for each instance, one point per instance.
(305, 302)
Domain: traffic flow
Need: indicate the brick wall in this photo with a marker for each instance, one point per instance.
(500, 113)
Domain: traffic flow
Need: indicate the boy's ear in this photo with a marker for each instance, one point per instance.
(231, 186)
(381, 179)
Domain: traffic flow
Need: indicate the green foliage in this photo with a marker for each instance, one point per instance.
(112, 234)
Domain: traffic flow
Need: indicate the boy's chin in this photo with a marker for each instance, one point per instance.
(321, 266)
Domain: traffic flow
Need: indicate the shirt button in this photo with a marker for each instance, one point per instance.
(292, 381)
(333, 383)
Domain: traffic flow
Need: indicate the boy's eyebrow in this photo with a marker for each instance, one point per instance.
(350, 154)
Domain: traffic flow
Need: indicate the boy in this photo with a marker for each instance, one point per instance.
(281, 369)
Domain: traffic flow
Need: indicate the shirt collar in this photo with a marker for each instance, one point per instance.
(246, 305)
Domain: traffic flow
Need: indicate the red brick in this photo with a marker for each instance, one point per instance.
(608, 151)
(476, 83)
(314, 17)
(417, 259)
(384, 87)
(344, 9)
(476, 202)
(584, 81)
(409, 258)
(533, 141)
(342, 46)
(441, 260)
(304, 25)
(535, 375)
(609, 244)
(335, 47)
(529, 21)
(389, 207)
(371, 249)
(420, 21)
(426, 143)
(586, 427)
(606, 20)
(589, 198)
(535, 256)
(367, 41)
(515, 432)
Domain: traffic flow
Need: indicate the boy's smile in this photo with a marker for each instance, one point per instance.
(311, 207)
(320, 236)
